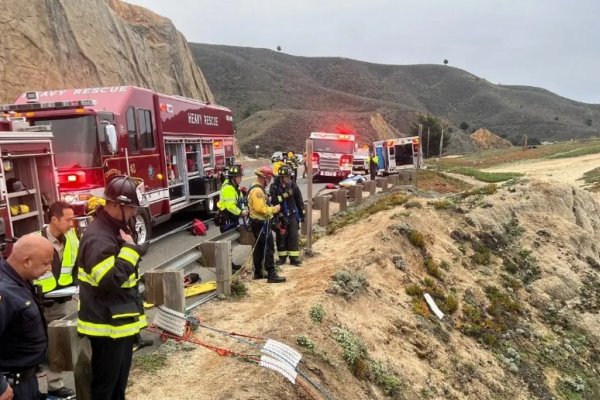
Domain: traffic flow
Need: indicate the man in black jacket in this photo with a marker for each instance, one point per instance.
(111, 312)
(286, 193)
(23, 335)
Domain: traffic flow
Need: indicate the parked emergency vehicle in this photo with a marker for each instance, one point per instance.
(398, 154)
(28, 181)
(332, 154)
(177, 146)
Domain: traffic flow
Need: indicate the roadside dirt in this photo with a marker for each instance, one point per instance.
(526, 323)
(564, 170)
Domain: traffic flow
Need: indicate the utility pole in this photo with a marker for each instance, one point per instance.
(419, 156)
(427, 154)
(309, 195)
(256, 152)
(441, 146)
(524, 141)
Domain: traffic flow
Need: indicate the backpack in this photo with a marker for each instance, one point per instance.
(198, 228)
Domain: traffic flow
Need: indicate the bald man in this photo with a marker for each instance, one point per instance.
(23, 336)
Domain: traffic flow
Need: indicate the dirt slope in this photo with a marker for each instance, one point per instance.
(522, 265)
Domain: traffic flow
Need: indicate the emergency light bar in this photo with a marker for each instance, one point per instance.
(47, 106)
(332, 136)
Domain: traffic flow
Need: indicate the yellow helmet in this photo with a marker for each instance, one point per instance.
(19, 209)
(93, 204)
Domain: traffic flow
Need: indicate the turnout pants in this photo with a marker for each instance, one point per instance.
(111, 361)
(287, 243)
(27, 390)
(264, 248)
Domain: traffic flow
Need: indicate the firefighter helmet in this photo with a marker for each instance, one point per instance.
(265, 171)
(284, 170)
(19, 209)
(234, 170)
(15, 185)
(125, 190)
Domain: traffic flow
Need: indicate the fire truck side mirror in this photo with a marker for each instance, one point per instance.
(111, 136)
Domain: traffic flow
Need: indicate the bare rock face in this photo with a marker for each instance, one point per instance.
(88, 43)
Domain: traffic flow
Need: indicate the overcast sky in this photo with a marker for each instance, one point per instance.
(552, 44)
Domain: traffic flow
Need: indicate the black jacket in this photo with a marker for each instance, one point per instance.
(23, 334)
(110, 303)
(288, 203)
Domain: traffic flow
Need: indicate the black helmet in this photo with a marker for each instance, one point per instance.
(284, 170)
(234, 170)
(125, 190)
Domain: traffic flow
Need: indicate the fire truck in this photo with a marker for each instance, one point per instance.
(332, 154)
(398, 154)
(28, 180)
(177, 146)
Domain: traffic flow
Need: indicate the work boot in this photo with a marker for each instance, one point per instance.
(281, 261)
(258, 274)
(62, 393)
(295, 261)
(274, 278)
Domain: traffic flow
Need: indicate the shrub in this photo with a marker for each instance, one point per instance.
(444, 204)
(347, 283)
(485, 190)
(414, 290)
(413, 204)
(304, 341)
(416, 238)
(238, 287)
(482, 255)
(317, 313)
(381, 375)
(449, 305)
(433, 269)
(354, 351)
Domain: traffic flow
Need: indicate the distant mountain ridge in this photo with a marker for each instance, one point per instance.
(278, 99)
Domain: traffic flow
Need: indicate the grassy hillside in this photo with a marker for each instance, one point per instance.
(310, 93)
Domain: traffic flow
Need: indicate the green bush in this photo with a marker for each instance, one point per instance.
(490, 177)
(317, 313)
(433, 269)
(304, 341)
(354, 351)
(348, 283)
(416, 238)
(414, 290)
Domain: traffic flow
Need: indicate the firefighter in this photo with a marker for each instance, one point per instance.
(373, 164)
(63, 238)
(286, 193)
(23, 335)
(292, 162)
(111, 313)
(260, 223)
(231, 200)
(277, 161)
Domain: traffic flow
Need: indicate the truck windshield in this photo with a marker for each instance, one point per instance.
(74, 143)
(333, 146)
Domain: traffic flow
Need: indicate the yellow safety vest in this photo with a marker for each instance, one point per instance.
(229, 199)
(47, 281)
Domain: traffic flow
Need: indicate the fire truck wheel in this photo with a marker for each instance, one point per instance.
(143, 227)
(210, 205)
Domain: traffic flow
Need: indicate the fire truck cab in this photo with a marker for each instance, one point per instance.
(177, 146)
(332, 154)
(28, 183)
(398, 154)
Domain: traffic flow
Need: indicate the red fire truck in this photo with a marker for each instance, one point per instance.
(178, 146)
(332, 154)
(28, 182)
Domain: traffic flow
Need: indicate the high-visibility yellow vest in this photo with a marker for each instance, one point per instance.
(229, 199)
(48, 281)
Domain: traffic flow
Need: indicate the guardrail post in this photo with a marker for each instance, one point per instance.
(370, 186)
(69, 352)
(382, 183)
(404, 177)
(394, 180)
(223, 267)
(340, 197)
(208, 253)
(165, 287)
(355, 192)
(324, 207)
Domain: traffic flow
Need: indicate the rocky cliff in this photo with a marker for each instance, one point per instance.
(85, 43)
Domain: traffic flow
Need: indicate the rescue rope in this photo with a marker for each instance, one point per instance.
(223, 352)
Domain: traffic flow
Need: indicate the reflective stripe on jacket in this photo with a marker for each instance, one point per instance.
(110, 304)
(48, 281)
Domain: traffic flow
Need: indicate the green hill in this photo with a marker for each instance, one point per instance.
(278, 99)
